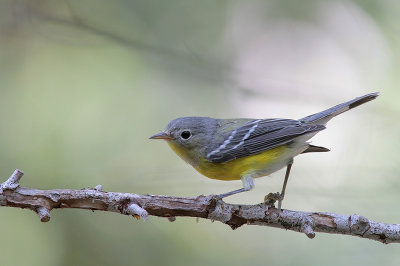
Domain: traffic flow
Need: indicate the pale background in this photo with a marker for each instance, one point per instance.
(83, 84)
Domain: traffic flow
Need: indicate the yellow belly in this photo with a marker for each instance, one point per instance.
(235, 169)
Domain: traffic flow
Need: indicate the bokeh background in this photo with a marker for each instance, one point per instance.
(83, 84)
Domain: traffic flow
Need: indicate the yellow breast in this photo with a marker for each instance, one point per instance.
(235, 169)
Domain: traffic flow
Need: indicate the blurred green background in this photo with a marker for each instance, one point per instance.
(83, 84)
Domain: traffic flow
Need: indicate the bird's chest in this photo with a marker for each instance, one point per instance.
(257, 165)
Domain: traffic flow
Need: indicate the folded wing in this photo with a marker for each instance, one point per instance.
(257, 136)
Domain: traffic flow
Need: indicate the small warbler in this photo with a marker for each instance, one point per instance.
(233, 149)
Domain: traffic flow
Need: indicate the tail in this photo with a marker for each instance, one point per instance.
(323, 117)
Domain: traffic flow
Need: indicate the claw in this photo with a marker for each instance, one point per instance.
(271, 198)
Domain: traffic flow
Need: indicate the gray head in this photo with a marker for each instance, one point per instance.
(188, 133)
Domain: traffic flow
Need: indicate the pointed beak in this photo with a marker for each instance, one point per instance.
(162, 135)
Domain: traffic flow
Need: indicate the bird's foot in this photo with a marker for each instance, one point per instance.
(271, 198)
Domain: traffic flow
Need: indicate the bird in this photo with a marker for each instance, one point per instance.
(246, 148)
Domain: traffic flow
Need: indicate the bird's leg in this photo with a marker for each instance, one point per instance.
(282, 195)
(248, 184)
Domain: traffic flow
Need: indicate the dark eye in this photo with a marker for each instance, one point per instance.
(185, 134)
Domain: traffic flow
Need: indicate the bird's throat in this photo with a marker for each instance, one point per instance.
(185, 154)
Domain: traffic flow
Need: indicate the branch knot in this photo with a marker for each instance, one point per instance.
(307, 227)
(136, 211)
(359, 225)
(12, 183)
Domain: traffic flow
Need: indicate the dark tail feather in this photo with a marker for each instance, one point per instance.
(324, 116)
(312, 148)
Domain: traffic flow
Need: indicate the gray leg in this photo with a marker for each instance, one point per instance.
(282, 195)
(248, 184)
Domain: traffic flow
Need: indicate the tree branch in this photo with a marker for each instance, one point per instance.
(207, 207)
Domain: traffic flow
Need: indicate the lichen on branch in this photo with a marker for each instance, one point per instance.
(208, 207)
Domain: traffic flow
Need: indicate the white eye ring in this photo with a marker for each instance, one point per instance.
(186, 134)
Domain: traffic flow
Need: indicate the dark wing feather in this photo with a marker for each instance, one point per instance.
(257, 136)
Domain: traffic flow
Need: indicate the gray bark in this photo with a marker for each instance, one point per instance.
(207, 207)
